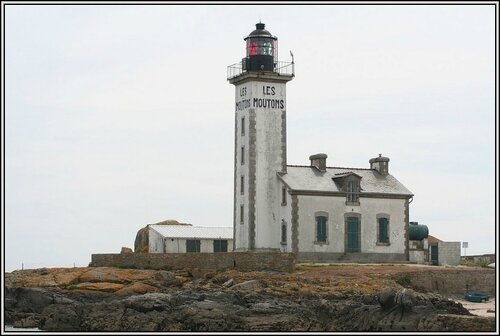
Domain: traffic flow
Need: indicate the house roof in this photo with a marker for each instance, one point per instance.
(308, 178)
(187, 231)
(432, 239)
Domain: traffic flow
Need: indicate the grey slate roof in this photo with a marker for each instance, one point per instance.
(306, 178)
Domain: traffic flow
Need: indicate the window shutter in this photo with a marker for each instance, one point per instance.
(383, 224)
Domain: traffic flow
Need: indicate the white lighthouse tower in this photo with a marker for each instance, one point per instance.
(260, 141)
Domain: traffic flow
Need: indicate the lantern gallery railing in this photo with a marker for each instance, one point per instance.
(282, 68)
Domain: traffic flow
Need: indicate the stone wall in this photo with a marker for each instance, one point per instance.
(356, 257)
(455, 281)
(448, 253)
(242, 261)
(417, 256)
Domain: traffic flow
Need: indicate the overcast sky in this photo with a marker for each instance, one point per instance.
(121, 116)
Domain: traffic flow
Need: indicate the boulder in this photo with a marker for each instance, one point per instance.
(141, 244)
(126, 250)
(386, 298)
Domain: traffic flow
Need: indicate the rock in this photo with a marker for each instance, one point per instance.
(125, 250)
(167, 279)
(60, 318)
(141, 244)
(136, 288)
(116, 275)
(405, 298)
(32, 300)
(99, 286)
(250, 284)
(222, 310)
(116, 300)
(53, 277)
(228, 283)
(148, 302)
(386, 298)
(28, 322)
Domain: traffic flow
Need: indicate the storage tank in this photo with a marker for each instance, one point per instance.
(418, 231)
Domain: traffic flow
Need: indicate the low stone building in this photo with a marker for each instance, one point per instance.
(443, 253)
(176, 238)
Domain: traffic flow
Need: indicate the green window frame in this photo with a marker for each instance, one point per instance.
(283, 233)
(321, 228)
(193, 245)
(242, 214)
(220, 245)
(383, 230)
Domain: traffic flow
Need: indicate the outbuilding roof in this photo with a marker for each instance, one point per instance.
(309, 178)
(192, 232)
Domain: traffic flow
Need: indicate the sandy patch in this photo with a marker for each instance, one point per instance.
(480, 308)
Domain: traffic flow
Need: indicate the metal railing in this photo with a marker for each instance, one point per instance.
(281, 68)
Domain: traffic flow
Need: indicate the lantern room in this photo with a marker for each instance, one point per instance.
(262, 50)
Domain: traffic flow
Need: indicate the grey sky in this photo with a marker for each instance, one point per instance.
(120, 116)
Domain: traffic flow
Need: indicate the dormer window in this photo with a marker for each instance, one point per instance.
(350, 184)
(352, 192)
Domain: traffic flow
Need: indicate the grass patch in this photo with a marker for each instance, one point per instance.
(404, 280)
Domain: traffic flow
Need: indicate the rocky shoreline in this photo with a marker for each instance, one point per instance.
(108, 299)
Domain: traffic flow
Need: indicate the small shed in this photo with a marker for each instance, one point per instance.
(443, 253)
(189, 238)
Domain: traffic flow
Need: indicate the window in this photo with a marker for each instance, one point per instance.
(242, 208)
(352, 192)
(242, 155)
(193, 245)
(283, 196)
(243, 126)
(321, 228)
(283, 232)
(220, 245)
(242, 182)
(383, 230)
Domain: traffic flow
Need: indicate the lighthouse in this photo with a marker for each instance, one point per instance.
(260, 141)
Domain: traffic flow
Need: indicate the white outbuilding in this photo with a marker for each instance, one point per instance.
(189, 238)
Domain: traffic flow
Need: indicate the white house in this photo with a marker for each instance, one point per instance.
(189, 238)
(318, 212)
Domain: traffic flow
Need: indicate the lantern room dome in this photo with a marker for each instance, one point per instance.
(260, 32)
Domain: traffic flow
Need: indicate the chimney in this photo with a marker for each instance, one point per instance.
(319, 161)
(380, 164)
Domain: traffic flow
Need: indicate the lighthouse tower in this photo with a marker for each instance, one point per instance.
(260, 141)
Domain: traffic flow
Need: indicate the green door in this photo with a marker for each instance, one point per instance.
(352, 234)
(434, 254)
